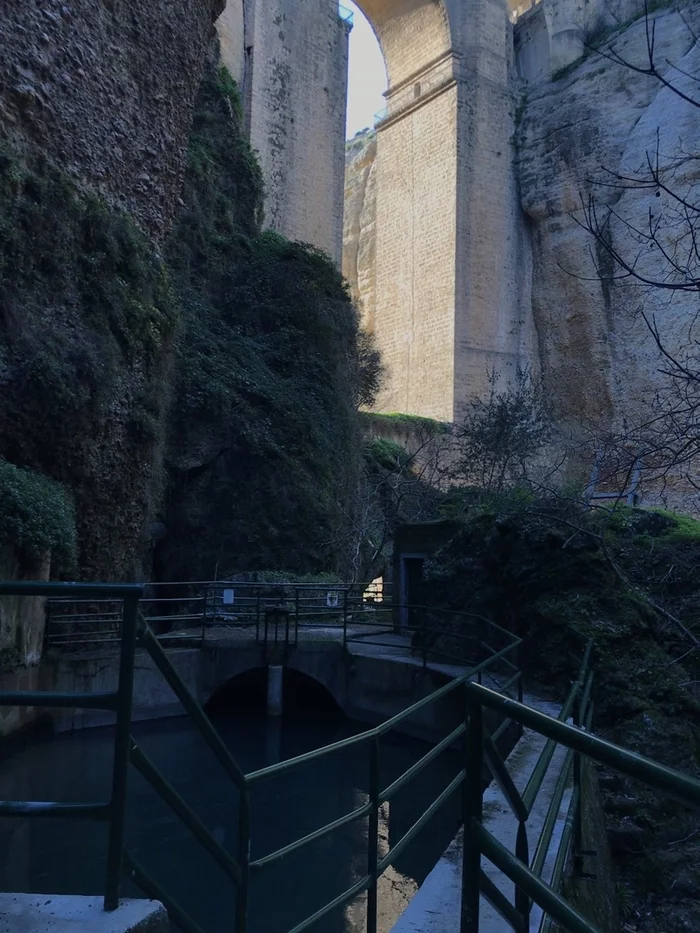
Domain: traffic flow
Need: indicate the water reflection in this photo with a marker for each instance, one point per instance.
(59, 856)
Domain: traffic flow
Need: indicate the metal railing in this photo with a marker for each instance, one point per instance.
(480, 752)
(194, 611)
(135, 633)
(528, 881)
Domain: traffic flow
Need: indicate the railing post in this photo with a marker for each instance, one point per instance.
(423, 637)
(519, 662)
(257, 616)
(522, 900)
(243, 861)
(472, 805)
(296, 615)
(373, 837)
(115, 845)
(578, 815)
(345, 618)
(204, 613)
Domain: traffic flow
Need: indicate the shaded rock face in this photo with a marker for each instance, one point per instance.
(599, 363)
(359, 223)
(106, 90)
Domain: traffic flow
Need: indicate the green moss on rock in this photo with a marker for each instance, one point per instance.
(86, 317)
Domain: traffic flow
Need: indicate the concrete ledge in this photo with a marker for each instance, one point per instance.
(56, 913)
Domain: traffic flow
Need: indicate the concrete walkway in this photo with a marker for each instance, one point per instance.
(435, 908)
(72, 913)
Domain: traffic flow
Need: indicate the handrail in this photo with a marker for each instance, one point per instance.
(680, 786)
(479, 747)
(377, 731)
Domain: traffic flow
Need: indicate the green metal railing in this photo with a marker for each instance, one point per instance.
(527, 878)
(478, 739)
(194, 611)
(133, 633)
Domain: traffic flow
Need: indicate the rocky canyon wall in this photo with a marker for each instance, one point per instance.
(105, 90)
(574, 126)
(578, 131)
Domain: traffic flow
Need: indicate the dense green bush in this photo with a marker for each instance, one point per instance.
(37, 516)
(263, 447)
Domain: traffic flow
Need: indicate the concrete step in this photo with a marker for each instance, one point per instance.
(435, 908)
(41, 913)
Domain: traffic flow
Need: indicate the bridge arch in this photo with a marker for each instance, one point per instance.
(412, 34)
(449, 274)
(312, 680)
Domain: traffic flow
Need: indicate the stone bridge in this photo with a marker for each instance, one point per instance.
(369, 683)
(451, 297)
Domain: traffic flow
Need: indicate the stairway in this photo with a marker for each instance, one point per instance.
(435, 908)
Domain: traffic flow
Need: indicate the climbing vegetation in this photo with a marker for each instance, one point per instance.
(86, 316)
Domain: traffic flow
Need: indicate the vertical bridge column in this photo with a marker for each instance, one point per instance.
(416, 241)
(274, 689)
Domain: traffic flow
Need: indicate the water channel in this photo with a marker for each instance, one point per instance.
(58, 856)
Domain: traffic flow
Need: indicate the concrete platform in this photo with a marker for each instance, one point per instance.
(55, 913)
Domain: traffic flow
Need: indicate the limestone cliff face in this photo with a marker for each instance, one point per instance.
(359, 224)
(95, 114)
(598, 360)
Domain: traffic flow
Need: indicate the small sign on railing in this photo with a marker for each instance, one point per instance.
(228, 597)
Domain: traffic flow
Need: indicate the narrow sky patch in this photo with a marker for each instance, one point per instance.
(367, 75)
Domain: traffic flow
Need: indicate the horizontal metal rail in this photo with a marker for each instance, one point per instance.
(55, 810)
(378, 731)
(416, 768)
(680, 786)
(399, 847)
(362, 885)
(320, 833)
(45, 699)
(542, 893)
(40, 588)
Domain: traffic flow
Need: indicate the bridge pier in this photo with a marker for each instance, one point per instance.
(275, 701)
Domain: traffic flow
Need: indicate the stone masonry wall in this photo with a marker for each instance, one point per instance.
(297, 117)
(415, 258)
(494, 325)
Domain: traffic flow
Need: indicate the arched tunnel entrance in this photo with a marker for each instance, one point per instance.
(303, 696)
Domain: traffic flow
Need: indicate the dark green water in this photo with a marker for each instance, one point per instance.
(61, 856)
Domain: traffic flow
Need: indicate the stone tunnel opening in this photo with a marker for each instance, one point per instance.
(303, 696)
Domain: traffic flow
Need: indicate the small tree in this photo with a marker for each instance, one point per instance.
(370, 369)
(500, 438)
